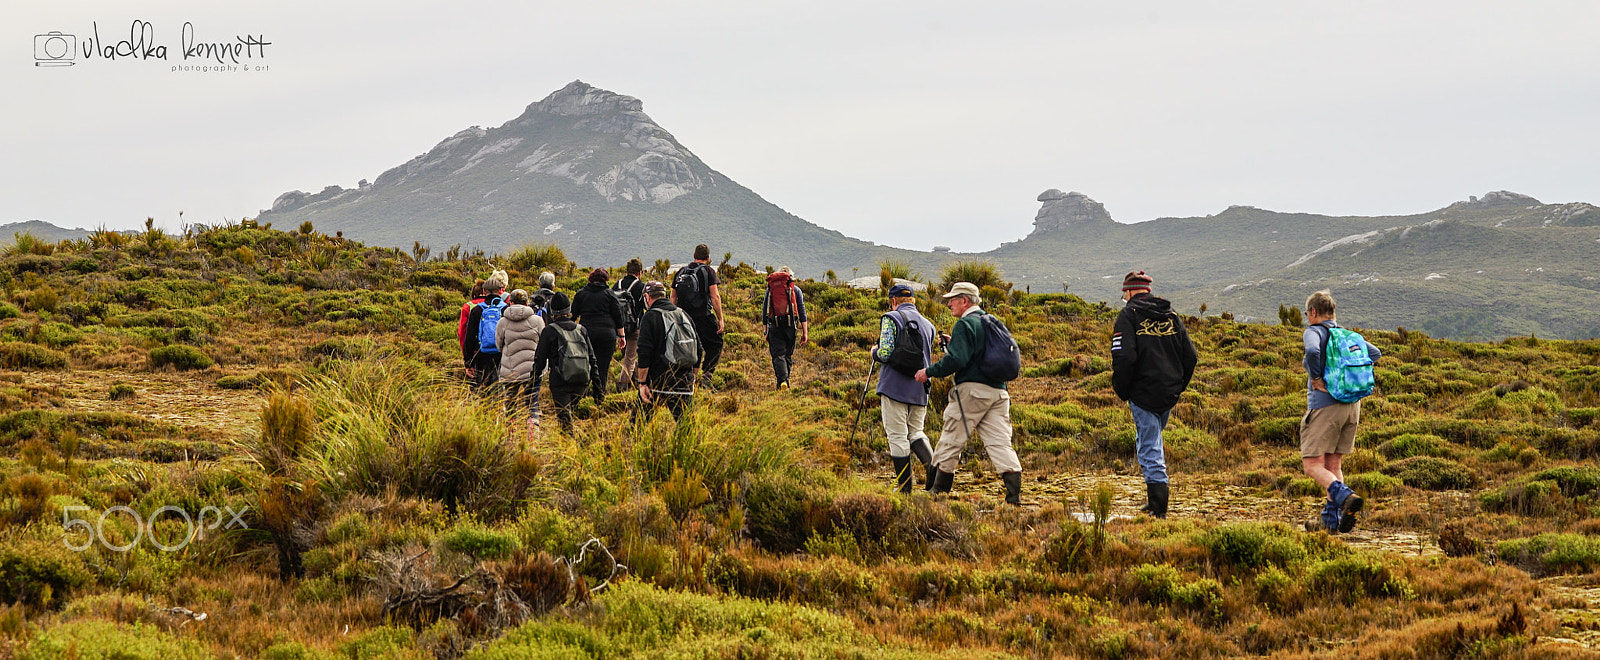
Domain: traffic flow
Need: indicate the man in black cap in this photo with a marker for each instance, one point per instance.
(564, 347)
(668, 353)
(1152, 361)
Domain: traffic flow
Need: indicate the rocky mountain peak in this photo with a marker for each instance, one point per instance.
(1498, 198)
(1061, 210)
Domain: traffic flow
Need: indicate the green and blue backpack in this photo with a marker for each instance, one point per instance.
(1347, 368)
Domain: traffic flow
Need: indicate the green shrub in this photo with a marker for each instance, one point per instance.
(981, 273)
(776, 508)
(9, 311)
(237, 382)
(22, 355)
(182, 357)
(1575, 480)
(40, 573)
(1373, 483)
(480, 542)
(1417, 444)
(104, 640)
(1432, 473)
(1350, 578)
(121, 392)
(384, 643)
(1254, 545)
(1553, 553)
(534, 258)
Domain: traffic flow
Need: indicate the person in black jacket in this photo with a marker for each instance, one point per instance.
(597, 311)
(552, 349)
(1152, 361)
(661, 383)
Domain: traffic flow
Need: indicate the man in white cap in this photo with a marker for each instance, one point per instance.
(978, 403)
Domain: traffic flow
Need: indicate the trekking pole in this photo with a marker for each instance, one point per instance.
(955, 392)
(871, 365)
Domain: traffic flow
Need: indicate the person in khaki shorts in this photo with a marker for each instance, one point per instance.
(977, 403)
(1328, 430)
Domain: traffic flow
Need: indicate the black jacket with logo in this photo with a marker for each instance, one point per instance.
(1152, 358)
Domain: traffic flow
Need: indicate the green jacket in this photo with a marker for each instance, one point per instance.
(965, 350)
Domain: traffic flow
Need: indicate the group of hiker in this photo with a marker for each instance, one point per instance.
(671, 339)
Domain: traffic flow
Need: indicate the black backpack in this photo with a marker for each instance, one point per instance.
(907, 356)
(1002, 360)
(694, 294)
(624, 297)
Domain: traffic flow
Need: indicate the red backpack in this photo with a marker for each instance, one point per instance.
(780, 296)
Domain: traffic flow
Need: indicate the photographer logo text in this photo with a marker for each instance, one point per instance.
(192, 53)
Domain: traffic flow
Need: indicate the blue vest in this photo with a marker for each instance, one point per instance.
(896, 385)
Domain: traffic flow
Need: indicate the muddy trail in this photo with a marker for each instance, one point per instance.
(195, 403)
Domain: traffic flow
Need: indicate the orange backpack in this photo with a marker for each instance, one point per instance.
(780, 296)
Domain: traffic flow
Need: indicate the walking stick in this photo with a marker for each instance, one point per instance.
(871, 365)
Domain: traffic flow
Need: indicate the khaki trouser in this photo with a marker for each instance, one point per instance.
(903, 423)
(987, 413)
(630, 360)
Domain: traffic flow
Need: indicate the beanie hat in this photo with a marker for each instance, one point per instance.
(599, 275)
(1135, 280)
(560, 304)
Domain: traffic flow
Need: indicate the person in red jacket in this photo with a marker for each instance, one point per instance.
(466, 311)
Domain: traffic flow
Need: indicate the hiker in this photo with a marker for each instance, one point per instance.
(695, 291)
(905, 346)
(668, 353)
(783, 312)
(473, 298)
(540, 300)
(480, 352)
(979, 402)
(631, 289)
(599, 311)
(517, 336)
(564, 348)
(1152, 361)
(1338, 366)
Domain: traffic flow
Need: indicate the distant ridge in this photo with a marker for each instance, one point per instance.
(587, 169)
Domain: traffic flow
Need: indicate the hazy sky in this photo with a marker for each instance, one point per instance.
(910, 124)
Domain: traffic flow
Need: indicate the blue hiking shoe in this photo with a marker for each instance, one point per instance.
(1348, 504)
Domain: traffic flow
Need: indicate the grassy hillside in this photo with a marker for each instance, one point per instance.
(316, 382)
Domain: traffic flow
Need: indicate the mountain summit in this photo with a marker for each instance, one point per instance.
(584, 168)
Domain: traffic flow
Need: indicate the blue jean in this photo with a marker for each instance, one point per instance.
(1152, 457)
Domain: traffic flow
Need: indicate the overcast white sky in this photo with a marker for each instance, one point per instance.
(910, 124)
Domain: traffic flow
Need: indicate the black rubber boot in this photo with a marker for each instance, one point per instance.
(902, 473)
(1013, 482)
(942, 482)
(919, 449)
(1156, 494)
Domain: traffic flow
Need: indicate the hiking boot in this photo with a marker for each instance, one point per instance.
(1345, 504)
(1348, 509)
(919, 449)
(1013, 481)
(1156, 494)
(783, 385)
(902, 473)
(942, 482)
(1327, 519)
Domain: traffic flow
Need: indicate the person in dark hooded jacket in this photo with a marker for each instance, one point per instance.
(553, 349)
(1152, 361)
(600, 313)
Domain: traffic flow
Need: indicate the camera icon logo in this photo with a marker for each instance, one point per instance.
(54, 49)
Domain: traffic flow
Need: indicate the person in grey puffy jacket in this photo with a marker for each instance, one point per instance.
(517, 335)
